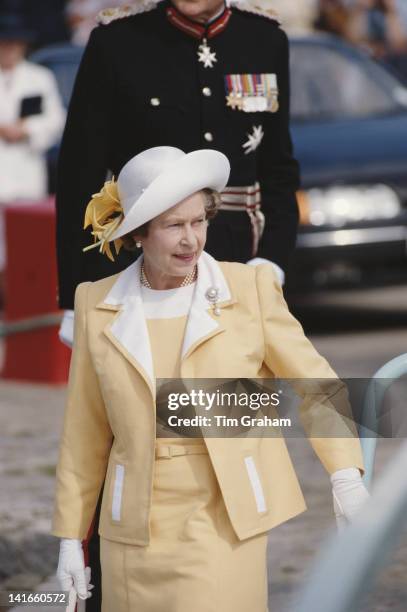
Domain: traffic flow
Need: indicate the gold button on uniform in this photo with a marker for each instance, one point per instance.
(208, 136)
(207, 91)
(155, 101)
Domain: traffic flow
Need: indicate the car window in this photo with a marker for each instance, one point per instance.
(328, 83)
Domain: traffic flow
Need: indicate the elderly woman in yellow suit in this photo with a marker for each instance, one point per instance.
(184, 521)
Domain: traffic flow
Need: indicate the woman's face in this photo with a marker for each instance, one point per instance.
(174, 242)
(12, 52)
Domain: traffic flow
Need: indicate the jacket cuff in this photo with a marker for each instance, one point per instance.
(351, 474)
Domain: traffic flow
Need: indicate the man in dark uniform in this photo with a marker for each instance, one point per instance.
(191, 74)
(158, 78)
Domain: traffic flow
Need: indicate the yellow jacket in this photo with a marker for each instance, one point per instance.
(109, 426)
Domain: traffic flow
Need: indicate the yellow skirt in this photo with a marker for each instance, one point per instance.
(194, 560)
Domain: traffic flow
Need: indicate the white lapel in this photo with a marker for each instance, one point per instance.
(201, 324)
(129, 328)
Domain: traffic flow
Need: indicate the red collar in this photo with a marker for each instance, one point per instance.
(195, 29)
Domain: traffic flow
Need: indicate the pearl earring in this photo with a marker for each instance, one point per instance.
(138, 244)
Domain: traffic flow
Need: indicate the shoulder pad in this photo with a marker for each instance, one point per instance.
(257, 7)
(138, 6)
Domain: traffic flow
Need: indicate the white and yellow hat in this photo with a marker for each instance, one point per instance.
(149, 184)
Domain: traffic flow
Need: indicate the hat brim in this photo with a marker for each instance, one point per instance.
(198, 170)
(25, 36)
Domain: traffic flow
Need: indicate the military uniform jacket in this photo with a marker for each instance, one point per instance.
(141, 84)
(110, 425)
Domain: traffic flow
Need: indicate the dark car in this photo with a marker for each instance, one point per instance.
(349, 125)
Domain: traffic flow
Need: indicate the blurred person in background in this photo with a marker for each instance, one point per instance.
(389, 21)
(401, 6)
(399, 60)
(82, 14)
(375, 24)
(31, 118)
(333, 16)
(380, 26)
(296, 17)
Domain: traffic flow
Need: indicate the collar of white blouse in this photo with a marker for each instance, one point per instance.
(167, 303)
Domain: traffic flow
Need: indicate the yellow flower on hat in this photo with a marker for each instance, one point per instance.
(104, 213)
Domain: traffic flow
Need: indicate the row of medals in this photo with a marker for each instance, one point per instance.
(253, 104)
(236, 99)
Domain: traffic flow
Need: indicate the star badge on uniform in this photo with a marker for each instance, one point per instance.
(254, 139)
(206, 56)
(234, 101)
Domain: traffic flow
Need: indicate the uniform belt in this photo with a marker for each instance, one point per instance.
(168, 451)
(246, 198)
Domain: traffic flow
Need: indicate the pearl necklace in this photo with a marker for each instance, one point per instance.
(188, 280)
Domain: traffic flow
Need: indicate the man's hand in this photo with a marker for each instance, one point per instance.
(349, 495)
(66, 329)
(260, 260)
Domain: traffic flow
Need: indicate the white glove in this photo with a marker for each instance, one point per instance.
(78, 604)
(71, 572)
(66, 329)
(349, 495)
(256, 261)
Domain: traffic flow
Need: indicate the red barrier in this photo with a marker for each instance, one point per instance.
(31, 291)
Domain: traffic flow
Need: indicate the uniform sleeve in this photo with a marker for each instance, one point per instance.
(324, 411)
(86, 438)
(278, 171)
(83, 161)
(45, 130)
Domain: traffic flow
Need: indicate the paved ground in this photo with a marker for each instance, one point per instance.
(30, 422)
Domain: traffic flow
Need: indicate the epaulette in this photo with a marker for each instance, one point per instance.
(257, 7)
(127, 10)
